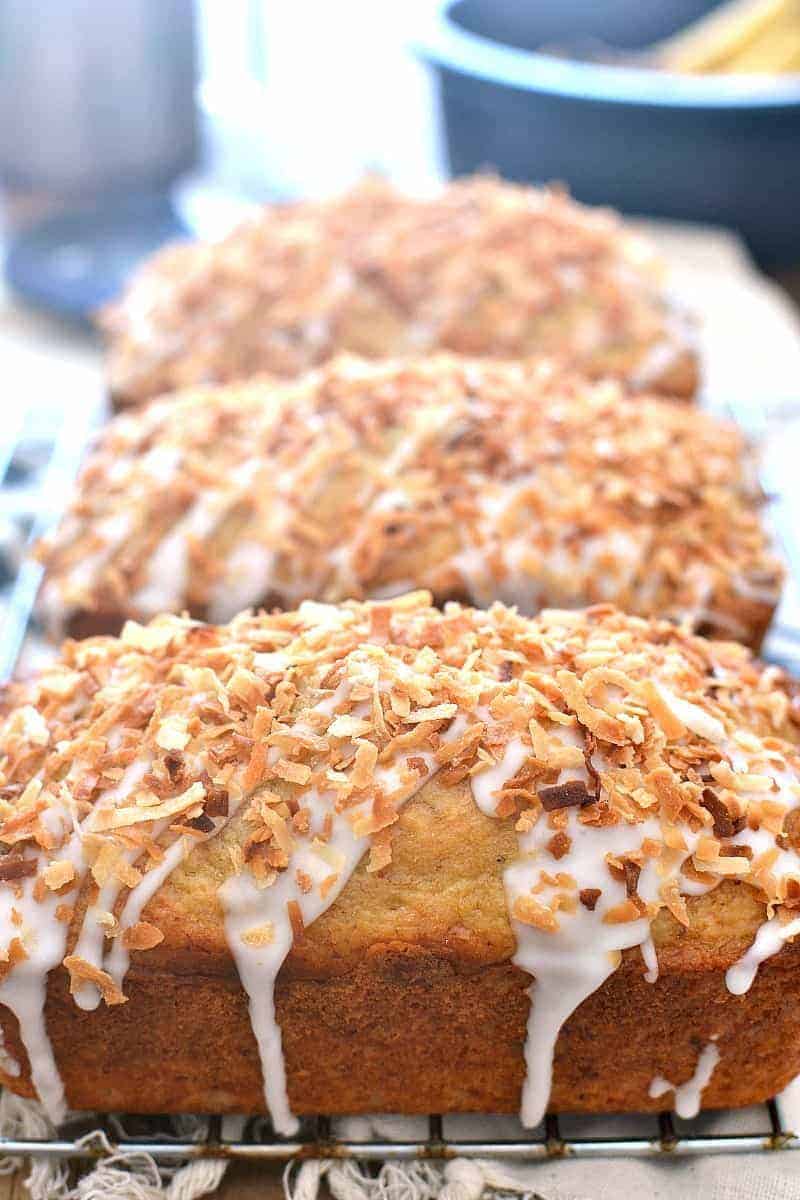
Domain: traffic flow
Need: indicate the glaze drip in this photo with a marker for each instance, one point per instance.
(689, 1095)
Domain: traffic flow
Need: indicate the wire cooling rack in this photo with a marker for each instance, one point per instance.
(35, 471)
(656, 1135)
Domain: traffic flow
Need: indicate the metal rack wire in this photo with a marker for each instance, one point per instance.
(34, 477)
(660, 1136)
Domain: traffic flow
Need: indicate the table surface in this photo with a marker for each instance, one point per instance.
(749, 341)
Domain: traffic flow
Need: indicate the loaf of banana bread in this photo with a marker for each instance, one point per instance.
(479, 480)
(483, 267)
(385, 857)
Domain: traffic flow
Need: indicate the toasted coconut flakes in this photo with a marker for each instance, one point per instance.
(173, 733)
(526, 821)
(108, 923)
(58, 873)
(13, 866)
(348, 727)
(601, 724)
(301, 821)
(246, 686)
(620, 913)
(304, 881)
(327, 884)
(707, 850)
(559, 845)
(530, 912)
(31, 722)
(449, 751)
(728, 821)
(364, 765)
(259, 935)
(103, 865)
(292, 772)
(381, 815)
(142, 936)
(16, 953)
(81, 971)
(666, 786)
(665, 716)
(256, 767)
(380, 622)
(438, 712)
(148, 637)
(725, 865)
(671, 895)
(279, 829)
(117, 818)
(400, 703)
(380, 851)
(565, 795)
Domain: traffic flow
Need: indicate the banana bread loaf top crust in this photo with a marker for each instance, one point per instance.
(479, 480)
(483, 268)
(301, 792)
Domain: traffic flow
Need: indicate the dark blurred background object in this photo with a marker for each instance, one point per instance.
(126, 123)
(97, 119)
(720, 148)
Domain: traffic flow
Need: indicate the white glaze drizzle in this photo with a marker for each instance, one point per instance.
(570, 965)
(166, 578)
(689, 1095)
(24, 991)
(248, 907)
(771, 937)
(650, 958)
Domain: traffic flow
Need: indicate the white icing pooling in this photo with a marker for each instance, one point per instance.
(689, 1095)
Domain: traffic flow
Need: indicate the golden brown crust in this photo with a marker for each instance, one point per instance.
(483, 268)
(478, 480)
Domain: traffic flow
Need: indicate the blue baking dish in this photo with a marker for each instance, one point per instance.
(716, 148)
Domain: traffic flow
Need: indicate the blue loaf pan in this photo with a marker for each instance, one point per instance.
(719, 148)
